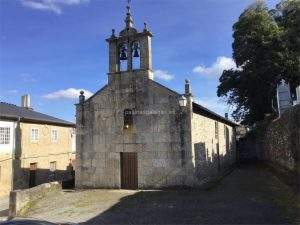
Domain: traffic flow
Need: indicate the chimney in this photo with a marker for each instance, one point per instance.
(25, 102)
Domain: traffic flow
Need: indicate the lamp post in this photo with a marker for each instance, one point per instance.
(182, 101)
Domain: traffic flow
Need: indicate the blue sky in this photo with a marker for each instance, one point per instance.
(51, 49)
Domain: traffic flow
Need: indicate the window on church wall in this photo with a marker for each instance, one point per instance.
(128, 118)
(136, 55)
(123, 57)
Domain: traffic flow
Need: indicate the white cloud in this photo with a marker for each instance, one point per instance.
(51, 5)
(13, 92)
(216, 69)
(70, 93)
(163, 75)
(26, 77)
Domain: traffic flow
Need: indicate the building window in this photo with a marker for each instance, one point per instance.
(216, 130)
(34, 134)
(52, 166)
(128, 119)
(54, 135)
(4, 135)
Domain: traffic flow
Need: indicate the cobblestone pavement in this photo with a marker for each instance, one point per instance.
(3, 208)
(249, 195)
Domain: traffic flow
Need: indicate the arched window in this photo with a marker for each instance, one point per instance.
(123, 57)
(128, 118)
(136, 55)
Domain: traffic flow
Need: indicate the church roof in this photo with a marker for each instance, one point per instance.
(12, 112)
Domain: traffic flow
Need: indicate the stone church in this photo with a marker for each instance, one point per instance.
(136, 133)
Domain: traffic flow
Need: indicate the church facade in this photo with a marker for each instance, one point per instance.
(136, 133)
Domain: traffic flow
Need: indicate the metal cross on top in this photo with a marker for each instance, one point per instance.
(128, 2)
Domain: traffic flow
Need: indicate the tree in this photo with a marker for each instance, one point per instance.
(288, 18)
(263, 59)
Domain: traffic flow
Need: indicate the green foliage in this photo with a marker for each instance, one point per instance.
(266, 49)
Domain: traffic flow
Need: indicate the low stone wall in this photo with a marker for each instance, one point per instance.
(276, 142)
(281, 139)
(20, 200)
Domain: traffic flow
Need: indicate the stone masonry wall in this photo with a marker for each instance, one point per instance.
(20, 200)
(276, 142)
(208, 160)
(281, 139)
(155, 134)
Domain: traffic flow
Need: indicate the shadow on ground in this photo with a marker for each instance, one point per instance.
(4, 213)
(250, 195)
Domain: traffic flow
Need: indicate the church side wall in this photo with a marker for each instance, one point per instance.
(215, 150)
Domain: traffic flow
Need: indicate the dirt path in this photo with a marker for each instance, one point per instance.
(250, 195)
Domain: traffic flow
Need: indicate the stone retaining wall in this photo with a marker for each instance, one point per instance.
(276, 142)
(20, 200)
(281, 139)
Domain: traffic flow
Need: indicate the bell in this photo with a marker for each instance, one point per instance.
(136, 53)
(135, 49)
(123, 55)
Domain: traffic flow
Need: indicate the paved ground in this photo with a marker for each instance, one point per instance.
(3, 207)
(250, 195)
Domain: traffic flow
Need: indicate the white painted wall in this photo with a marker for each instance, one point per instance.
(8, 148)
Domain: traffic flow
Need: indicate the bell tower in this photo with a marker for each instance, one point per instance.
(130, 52)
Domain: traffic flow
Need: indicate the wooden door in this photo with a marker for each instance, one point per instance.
(32, 175)
(129, 170)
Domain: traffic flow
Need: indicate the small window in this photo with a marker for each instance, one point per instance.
(34, 134)
(54, 136)
(33, 166)
(4, 135)
(216, 130)
(128, 119)
(52, 166)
